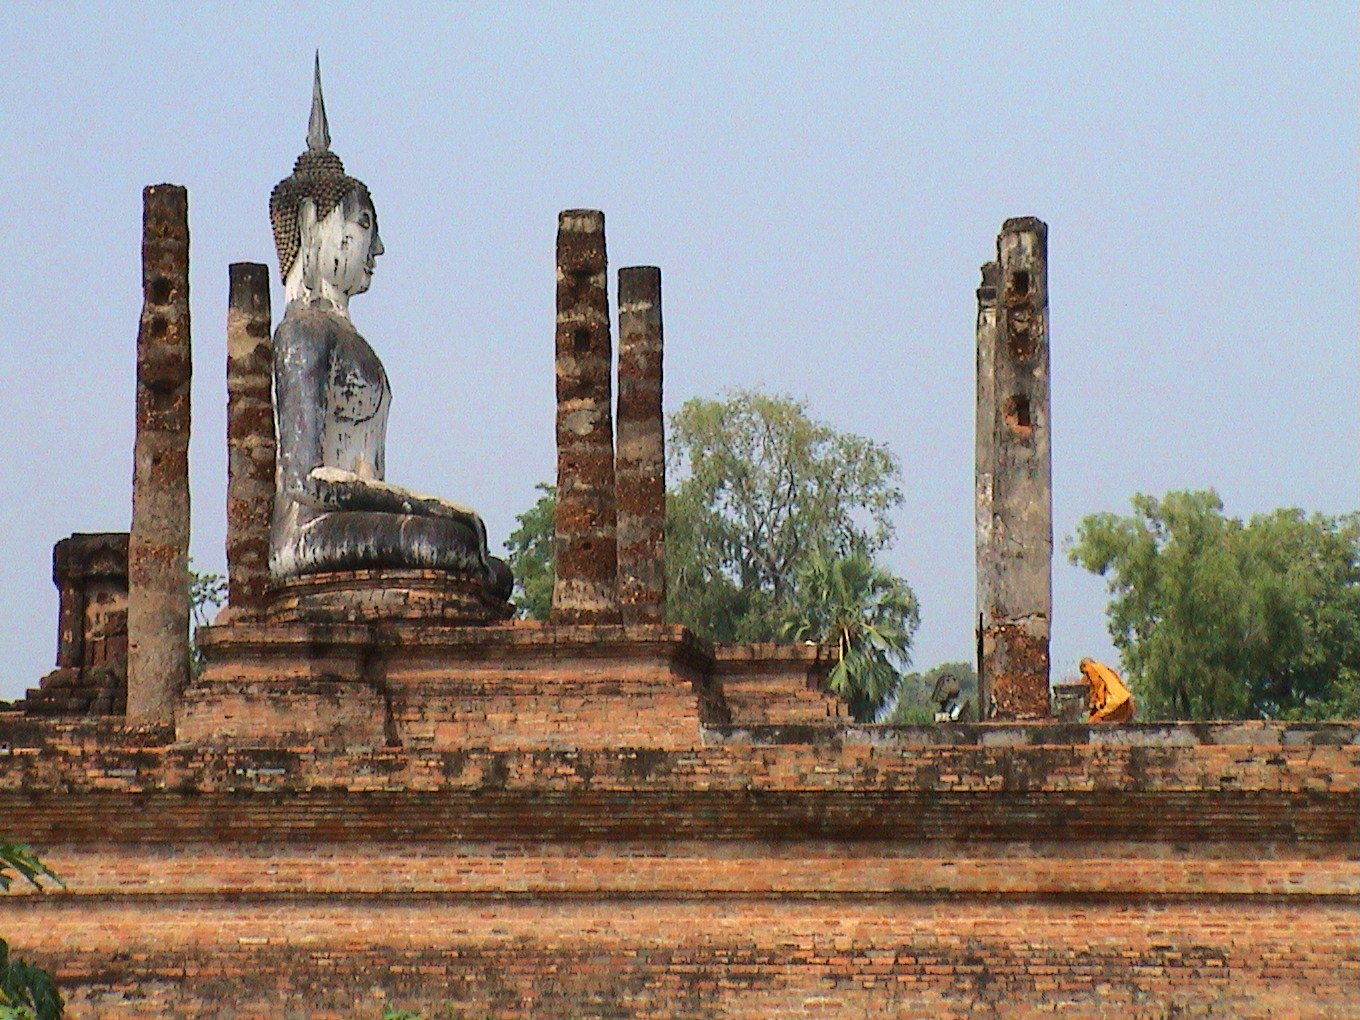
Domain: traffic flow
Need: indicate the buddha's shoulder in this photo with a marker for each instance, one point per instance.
(312, 325)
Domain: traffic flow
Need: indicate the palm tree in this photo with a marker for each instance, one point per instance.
(868, 614)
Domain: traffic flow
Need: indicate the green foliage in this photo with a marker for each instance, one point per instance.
(206, 593)
(27, 992)
(531, 557)
(868, 615)
(761, 488)
(15, 857)
(771, 530)
(1215, 618)
(914, 705)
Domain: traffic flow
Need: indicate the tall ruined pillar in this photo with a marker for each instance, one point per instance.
(586, 586)
(641, 463)
(250, 437)
(1015, 547)
(985, 463)
(158, 547)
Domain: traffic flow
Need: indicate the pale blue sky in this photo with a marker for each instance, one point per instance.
(819, 184)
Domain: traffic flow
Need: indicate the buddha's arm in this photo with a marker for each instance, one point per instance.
(301, 364)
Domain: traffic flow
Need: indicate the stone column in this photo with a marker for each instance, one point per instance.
(985, 463)
(158, 547)
(1015, 575)
(586, 586)
(250, 438)
(641, 462)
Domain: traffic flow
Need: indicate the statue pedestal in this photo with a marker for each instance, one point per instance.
(376, 596)
(422, 684)
(427, 660)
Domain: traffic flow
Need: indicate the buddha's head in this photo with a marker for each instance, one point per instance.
(325, 226)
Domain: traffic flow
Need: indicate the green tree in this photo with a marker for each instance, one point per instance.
(530, 555)
(761, 488)
(1217, 618)
(768, 512)
(27, 992)
(867, 614)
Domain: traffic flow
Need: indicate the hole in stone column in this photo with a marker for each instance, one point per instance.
(1017, 415)
(161, 287)
(1020, 282)
(580, 340)
(1022, 333)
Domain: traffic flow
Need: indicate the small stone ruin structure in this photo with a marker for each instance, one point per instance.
(381, 791)
(91, 575)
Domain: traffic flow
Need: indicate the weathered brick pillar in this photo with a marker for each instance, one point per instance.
(985, 462)
(586, 585)
(641, 462)
(250, 438)
(1015, 576)
(158, 547)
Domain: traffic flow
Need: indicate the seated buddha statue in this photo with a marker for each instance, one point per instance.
(333, 510)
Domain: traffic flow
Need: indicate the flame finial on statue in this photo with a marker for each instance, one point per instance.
(318, 176)
(318, 131)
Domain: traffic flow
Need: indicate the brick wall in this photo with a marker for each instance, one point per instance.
(1149, 871)
(711, 957)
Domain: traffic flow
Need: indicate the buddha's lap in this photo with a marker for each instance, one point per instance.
(362, 539)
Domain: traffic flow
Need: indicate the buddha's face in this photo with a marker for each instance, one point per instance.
(348, 245)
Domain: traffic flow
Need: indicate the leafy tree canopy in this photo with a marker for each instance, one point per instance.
(867, 614)
(530, 555)
(761, 488)
(1216, 618)
(773, 523)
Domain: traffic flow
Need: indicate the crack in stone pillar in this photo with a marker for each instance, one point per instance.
(985, 463)
(158, 546)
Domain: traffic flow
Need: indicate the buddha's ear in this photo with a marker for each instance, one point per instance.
(307, 243)
(306, 222)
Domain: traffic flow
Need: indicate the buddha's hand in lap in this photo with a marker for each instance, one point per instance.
(339, 489)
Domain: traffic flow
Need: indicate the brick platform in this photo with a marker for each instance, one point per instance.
(820, 871)
(418, 684)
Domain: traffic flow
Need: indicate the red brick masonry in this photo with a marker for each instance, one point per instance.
(819, 871)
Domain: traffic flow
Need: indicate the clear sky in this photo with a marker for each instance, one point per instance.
(818, 182)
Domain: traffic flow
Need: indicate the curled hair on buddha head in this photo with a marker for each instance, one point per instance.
(318, 176)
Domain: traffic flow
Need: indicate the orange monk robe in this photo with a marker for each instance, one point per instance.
(1109, 699)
